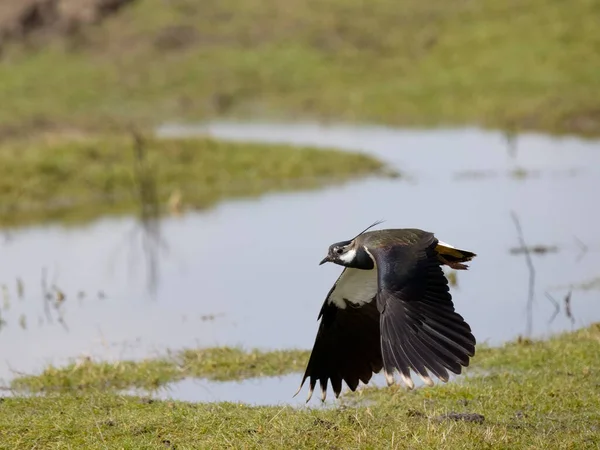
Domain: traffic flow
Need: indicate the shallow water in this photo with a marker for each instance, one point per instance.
(255, 391)
(277, 390)
(245, 273)
(260, 391)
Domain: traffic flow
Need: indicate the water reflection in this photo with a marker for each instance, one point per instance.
(251, 265)
(255, 391)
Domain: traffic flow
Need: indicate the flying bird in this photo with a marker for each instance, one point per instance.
(390, 309)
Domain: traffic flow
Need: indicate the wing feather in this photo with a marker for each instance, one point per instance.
(347, 346)
(420, 330)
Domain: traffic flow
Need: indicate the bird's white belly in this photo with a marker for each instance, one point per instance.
(356, 286)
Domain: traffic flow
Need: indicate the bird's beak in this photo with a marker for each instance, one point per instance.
(326, 259)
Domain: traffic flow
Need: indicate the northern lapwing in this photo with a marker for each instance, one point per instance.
(390, 308)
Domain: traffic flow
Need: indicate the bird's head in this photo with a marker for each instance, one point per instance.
(342, 253)
(350, 253)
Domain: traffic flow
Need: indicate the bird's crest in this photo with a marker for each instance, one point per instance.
(368, 228)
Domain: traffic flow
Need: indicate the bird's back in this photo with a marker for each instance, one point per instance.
(393, 237)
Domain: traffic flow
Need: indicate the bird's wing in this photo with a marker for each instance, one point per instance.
(347, 346)
(419, 328)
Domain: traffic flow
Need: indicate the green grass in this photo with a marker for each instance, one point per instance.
(222, 364)
(537, 394)
(512, 64)
(82, 178)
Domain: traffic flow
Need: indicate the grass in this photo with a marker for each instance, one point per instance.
(82, 178)
(221, 364)
(537, 394)
(512, 65)
(594, 283)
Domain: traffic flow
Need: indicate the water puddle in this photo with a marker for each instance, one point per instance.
(246, 273)
(264, 391)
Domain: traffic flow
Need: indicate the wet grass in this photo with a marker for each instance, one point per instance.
(86, 177)
(537, 394)
(591, 284)
(220, 364)
(513, 65)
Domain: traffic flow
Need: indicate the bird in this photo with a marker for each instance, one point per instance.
(389, 309)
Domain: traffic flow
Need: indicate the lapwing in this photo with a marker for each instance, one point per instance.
(390, 309)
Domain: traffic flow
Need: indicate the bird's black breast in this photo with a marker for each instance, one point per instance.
(363, 260)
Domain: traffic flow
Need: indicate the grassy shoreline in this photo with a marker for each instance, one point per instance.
(513, 66)
(218, 364)
(535, 394)
(66, 178)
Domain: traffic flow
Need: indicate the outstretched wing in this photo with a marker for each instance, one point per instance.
(347, 346)
(419, 328)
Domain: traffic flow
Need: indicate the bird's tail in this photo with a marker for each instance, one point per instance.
(453, 257)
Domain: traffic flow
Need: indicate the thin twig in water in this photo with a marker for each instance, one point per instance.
(46, 296)
(556, 307)
(568, 311)
(583, 247)
(511, 137)
(59, 313)
(20, 288)
(529, 261)
(149, 217)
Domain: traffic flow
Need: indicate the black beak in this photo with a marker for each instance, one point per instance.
(326, 259)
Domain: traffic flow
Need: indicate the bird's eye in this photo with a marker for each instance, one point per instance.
(339, 250)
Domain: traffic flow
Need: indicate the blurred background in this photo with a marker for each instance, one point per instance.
(172, 171)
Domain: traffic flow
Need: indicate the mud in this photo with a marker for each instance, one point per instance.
(26, 20)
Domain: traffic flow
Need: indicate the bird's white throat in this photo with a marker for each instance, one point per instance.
(349, 256)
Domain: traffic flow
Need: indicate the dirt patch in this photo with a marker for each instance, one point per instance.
(23, 19)
(176, 37)
(466, 417)
(583, 122)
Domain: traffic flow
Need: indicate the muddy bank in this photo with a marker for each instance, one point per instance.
(26, 19)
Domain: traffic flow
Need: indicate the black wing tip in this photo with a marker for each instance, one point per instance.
(312, 384)
(323, 383)
(346, 350)
(299, 389)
